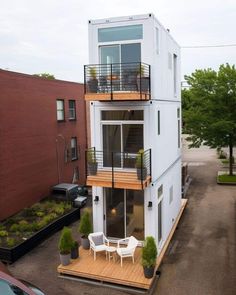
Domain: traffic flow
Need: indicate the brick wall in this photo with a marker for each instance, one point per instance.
(32, 142)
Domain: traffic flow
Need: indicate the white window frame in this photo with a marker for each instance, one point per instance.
(74, 148)
(60, 110)
(72, 110)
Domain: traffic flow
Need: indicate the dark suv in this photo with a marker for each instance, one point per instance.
(69, 192)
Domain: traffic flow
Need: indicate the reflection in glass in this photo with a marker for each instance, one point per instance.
(135, 214)
(115, 213)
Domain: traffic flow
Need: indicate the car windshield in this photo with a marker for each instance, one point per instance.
(74, 191)
(6, 288)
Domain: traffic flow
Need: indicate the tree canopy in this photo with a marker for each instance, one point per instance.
(210, 108)
(46, 76)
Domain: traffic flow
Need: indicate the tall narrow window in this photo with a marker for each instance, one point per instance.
(171, 195)
(72, 110)
(175, 73)
(159, 221)
(178, 116)
(158, 123)
(60, 110)
(157, 40)
(160, 191)
(74, 149)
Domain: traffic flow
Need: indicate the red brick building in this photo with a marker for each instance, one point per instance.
(42, 138)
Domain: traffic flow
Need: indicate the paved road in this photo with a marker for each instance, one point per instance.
(201, 258)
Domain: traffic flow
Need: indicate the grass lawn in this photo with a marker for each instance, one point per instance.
(224, 161)
(227, 178)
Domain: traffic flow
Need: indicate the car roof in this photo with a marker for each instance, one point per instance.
(65, 186)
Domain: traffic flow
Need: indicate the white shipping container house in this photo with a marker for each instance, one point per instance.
(135, 104)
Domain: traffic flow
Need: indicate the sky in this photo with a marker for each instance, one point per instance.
(52, 35)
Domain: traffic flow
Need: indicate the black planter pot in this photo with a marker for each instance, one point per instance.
(93, 85)
(148, 272)
(85, 243)
(74, 253)
(142, 173)
(92, 168)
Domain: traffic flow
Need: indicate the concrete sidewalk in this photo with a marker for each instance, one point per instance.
(202, 255)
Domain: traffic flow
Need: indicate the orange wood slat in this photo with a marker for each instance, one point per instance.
(117, 96)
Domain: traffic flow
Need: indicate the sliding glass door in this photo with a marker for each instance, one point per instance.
(124, 213)
(120, 140)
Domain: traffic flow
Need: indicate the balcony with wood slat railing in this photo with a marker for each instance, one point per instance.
(118, 170)
(118, 81)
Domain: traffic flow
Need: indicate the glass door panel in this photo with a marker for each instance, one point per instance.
(130, 57)
(110, 55)
(111, 143)
(132, 142)
(115, 213)
(131, 53)
(135, 214)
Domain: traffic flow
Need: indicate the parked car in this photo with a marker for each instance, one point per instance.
(70, 192)
(12, 286)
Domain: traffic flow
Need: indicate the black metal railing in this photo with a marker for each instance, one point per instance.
(139, 164)
(117, 77)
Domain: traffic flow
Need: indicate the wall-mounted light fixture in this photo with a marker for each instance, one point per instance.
(149, 205)
(96, 199)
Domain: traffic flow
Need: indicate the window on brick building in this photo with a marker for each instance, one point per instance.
(74, 149)
(72, 110)
(60, 110)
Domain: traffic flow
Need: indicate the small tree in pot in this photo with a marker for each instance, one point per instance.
(65, 245)
(92, 162)
(141, 169)
(149, 254)
(85, 228)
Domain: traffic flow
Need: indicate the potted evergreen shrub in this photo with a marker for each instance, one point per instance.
(85, 228)
(75, 250)
(92, 162)
(93, 81)
(141, 169)
(65, 245)
(149, 254)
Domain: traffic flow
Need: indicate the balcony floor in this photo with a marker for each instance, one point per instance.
(125, 180)
(116, 96)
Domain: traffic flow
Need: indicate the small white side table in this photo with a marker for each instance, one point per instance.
(111, 252)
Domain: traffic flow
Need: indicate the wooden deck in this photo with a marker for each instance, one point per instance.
(103, 270)
(117, 96)
(125, 180)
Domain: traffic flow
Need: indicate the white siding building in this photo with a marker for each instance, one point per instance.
(133, 85)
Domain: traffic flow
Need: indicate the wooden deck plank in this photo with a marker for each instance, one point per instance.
(122, 179)
(103, 270)
(135, 95)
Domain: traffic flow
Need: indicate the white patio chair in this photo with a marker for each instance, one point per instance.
(98, 242)
(127, 251)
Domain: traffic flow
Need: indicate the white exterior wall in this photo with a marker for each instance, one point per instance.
(166, 162)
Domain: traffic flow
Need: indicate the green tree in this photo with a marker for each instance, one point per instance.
(186, 104)
(211, 116)
(46, 76)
